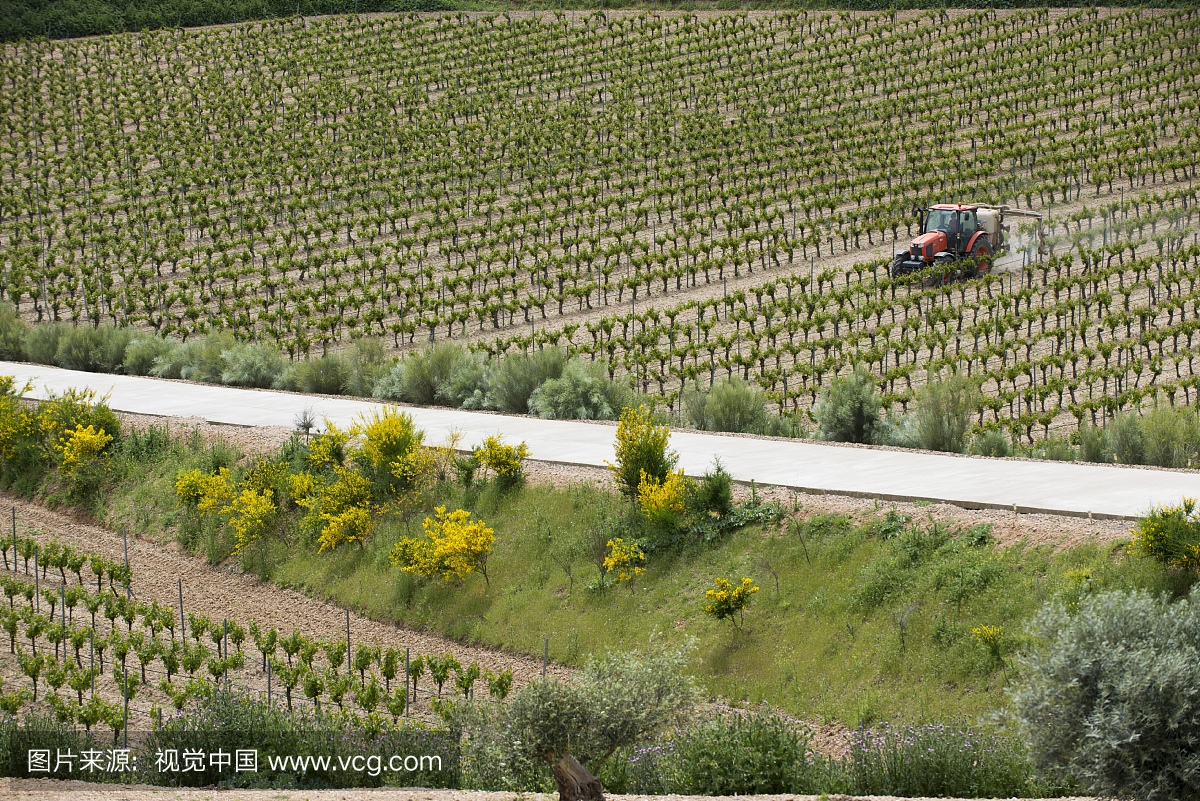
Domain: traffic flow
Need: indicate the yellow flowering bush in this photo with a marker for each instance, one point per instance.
(503, 461)
(301, 487)
(352, 524)
(991, 637)
(251, 514)
(662, 502)
(1170, 535)
(59, 415)
(454, 546)
(388, 435)
(624, 560)
(727, 599)
(18, 424)
(207, 493)
(641, 448)
(328, 449)
(340, 509)
(80, 448)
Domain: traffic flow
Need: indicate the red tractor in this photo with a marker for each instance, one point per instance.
(962, 238)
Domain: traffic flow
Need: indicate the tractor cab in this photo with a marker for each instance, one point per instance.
(949, 233)
(958, 223)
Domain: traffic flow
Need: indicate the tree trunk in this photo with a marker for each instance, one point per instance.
(575, 782)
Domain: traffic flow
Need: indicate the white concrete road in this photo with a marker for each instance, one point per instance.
(1055, 487)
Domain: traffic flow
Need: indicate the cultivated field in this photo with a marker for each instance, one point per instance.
(685, 196)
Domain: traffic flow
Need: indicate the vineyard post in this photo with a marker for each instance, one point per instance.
(225, 642)
(407, 679)
(348, 651)
(92, 658)
(182, 619)
(14, 526)
(268, 684)
(125, 695)
(37, 592)
(128, 576)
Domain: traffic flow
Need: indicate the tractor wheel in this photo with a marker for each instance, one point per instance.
(981, 258)
(897, 268)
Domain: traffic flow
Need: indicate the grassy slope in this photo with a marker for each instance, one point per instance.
(826, 643)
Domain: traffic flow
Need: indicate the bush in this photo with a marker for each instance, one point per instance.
(197, 360)
(41, 342)
(641, 451)
(742, 753)
(731, 405)
(12, 332)
(582, 392)
(1170, 535)
(251, 365)
(1171, 436)
(615, 701)
(712, 495)
(936, 760)
(849, 411)
(1113, 697)
(144, 352)
(95, 350)
(427, 375)
(1124, 435)
(992, 442)
(517, 376)
(1093, 445)
(943, 413)
(366, 363)
(325, 375)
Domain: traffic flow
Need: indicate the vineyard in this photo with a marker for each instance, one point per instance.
(83, 644)
(683, 196)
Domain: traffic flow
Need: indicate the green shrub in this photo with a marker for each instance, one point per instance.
(41, 342)
(1055, 449)
(615, 701)
(1170, 535)
(730, 405)
(1093, 445)
(197, 360)
(143, 352)
(936, 760)
(366, 362)
(324, 375)
(12, 332)
(992, 442)
(944, 410)
(742, 753)
(582, 392)
(1124, 435)
(849, 411)
(1171, 436)
(100, 349)
(1112, 698)
(470, 385)
(712, 495)
(517, 376)
(251, 365)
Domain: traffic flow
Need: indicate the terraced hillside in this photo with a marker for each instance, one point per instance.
(686, 196)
